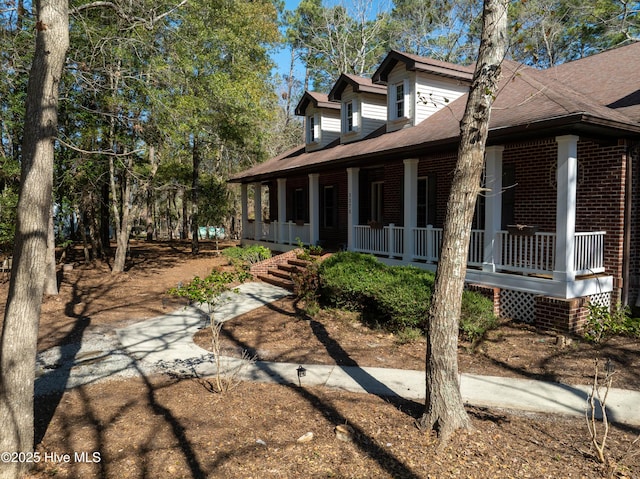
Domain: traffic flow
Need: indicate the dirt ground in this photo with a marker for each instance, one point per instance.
(163, 426)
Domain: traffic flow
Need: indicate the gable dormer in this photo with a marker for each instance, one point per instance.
(322, 119)
(363, 106)
(419, 86)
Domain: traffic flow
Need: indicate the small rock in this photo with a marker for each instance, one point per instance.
(307, 437)
(261, 442)
(344, 432)
(67, 267)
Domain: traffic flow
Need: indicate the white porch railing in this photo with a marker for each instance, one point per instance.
(589, 252)
(388, 240)
(428, 243)
(289, 233)
(533, 254)
(526, 254)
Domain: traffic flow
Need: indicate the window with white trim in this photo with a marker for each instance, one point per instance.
(313, 128)
(349, 116)
(399, 100)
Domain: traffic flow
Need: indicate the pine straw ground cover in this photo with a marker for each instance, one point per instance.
(166, 427)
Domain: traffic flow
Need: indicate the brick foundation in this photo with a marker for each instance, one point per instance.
(562, 315)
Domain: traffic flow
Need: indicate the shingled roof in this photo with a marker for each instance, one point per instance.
(596, 94)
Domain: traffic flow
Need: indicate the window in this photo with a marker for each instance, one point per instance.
(311, 129)
(300, 205)
(399, 99)
(377, 196)
(329, 207)
(349, 116)
(426, 207)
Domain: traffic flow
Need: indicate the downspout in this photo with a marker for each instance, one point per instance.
(633, 154)
(626, 246)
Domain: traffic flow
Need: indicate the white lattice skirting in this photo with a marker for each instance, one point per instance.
(601, 299)
(517, 305)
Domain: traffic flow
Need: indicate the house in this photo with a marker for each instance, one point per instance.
(557, 223)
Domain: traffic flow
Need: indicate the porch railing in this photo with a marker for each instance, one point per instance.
(589, 252)
(526, 254)
(387, 240)
(289, 232)
(533, 254)
(428, 244)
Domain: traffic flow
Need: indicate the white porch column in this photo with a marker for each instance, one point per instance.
(314, 209)
(282, 209)
(257, 211)
(244, 202)
(410, 206)
(567, 179)
(492, 206)
(353, 207)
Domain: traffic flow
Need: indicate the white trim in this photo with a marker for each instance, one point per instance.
(493, 205)
(257, 209)
(566, 207)
(410, 205)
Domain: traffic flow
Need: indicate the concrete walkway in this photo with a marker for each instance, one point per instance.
(167, 342)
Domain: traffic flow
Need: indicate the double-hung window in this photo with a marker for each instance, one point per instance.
(399, 100)
(348, 117)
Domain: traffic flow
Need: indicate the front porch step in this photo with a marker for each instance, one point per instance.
(280, 273)
(276, 281)
(299, 262)
(289, 268)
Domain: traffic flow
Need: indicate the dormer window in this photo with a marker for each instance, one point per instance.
(399, 100)
(349, 117)
(313, 129)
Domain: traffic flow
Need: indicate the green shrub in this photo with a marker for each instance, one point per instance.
(604, 322)
(348, 279)
(476, 316)
(395, 298)
(305, 282)
(246, 255)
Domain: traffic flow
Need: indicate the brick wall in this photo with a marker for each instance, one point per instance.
(562, 315)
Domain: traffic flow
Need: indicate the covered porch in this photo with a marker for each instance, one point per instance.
(561, 262)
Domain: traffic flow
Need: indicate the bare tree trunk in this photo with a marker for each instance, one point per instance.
(444, 409)
(122, 218)
(105, 222)
(195, 185)
(22, 314)
(50, 279)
